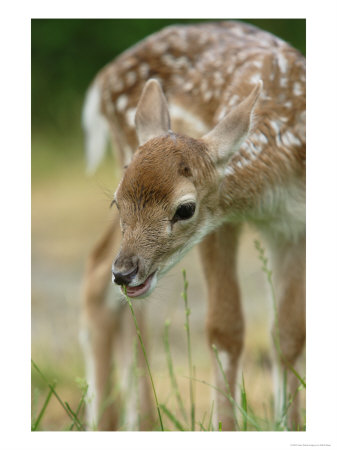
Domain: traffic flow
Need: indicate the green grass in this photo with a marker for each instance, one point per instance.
(174, 414)
(74, 416)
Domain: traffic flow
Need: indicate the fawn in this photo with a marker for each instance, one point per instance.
(224, 145)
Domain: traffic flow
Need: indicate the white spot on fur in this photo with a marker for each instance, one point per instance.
(262, 138)
(290, 140)
(130, 117)
(245, 162)
(221, 114)
(238, 31)
(251, 149)
(121, 102)
(234, 100)
(127, 63)
(188, 86)
(218, 78)
(168, 59)
(297, 88)
(283, 82)
(228, 170)
(254, 79)
(207, 96)
(282, 62)
(144, 70)
(178, 80)
(259, 137)
(275, 126)
(258, 64)
(130, 78)
(182, 62)
(230, 68)
(159, 46)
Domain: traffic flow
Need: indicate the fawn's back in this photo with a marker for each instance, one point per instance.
(205, 71)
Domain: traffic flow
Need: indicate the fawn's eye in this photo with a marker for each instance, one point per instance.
(184, 212)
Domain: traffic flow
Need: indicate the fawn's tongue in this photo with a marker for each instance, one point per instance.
(135, 291)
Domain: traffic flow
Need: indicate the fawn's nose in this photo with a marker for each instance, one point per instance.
(125, 275)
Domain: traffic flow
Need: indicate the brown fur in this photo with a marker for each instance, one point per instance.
(210, 71)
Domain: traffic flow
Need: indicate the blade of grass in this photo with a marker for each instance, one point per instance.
(81, 403)
(78, 425)
(76, 420)
(171, 371)
(43, 409)
(189, 351)
(210, 427)
(145, 357)
(289, 403)
(250, 420)
(202, 428)
(244, 403)
(202, 421)
(173, 419)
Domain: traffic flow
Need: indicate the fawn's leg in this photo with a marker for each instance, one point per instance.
(100, 324)
(134, 378)
(107, 332)
(289, 326)
(225, 324)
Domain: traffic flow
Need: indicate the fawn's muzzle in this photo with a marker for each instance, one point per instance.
(125, 278)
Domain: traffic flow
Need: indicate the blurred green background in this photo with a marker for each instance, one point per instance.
(70, 212)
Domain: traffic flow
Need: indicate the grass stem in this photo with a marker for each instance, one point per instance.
(51, 387)
(43, 409)
(171, 371)
(189, 350)
(145, 357)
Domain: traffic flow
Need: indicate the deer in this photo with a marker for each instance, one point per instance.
(208, 121)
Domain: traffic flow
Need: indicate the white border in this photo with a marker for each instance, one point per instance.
(322, 226)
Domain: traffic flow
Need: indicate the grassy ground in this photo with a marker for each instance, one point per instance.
(69, 212)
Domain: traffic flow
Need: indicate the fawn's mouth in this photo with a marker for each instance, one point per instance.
(144, 289)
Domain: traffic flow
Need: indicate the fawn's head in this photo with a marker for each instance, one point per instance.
(168, 198)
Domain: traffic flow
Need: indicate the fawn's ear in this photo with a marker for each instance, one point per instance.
(227, 136)
(152, 115)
